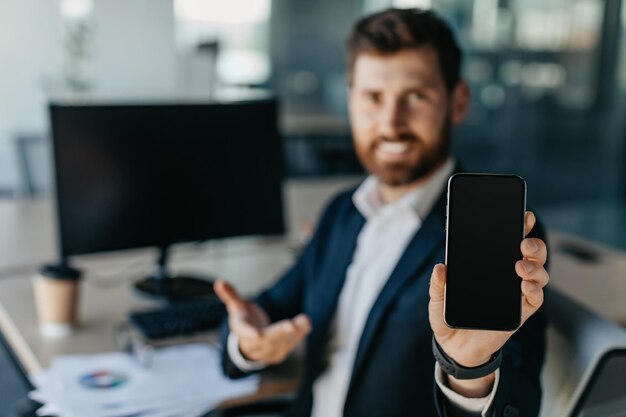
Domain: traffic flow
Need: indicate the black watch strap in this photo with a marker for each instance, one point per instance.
(450, 367)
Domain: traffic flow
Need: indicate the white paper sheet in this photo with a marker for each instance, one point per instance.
(181, 380)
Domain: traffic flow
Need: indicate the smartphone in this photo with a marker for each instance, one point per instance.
(484, 230)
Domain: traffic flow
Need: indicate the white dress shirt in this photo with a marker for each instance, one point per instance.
(383, 239)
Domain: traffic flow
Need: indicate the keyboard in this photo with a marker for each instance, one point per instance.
(180, 318)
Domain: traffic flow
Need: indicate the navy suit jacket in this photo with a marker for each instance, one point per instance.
(393, 373)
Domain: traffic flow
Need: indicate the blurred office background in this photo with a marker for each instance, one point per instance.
(548, 79)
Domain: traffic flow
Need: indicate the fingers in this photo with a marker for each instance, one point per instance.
(259, 340)
(243, 328)
(532, 272)
(533, 293)
(296, 328)
(529, 222)
(534, 279)
(278, 340)
(534, 249)
(532, 299)
(303, 322)
(229, 296)
(243, 320)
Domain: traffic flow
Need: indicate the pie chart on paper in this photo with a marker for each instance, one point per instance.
(103, 380)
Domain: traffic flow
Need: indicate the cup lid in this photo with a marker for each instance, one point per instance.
(59, 271)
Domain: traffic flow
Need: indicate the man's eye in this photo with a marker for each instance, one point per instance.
(415, 97)
(373, 98)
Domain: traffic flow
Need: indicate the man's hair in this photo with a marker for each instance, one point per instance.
(393, 30)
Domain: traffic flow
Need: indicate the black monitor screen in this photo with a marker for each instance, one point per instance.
(131, 176)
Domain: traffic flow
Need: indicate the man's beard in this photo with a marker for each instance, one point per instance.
(398, 174)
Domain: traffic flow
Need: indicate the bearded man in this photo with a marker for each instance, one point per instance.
(366, 295)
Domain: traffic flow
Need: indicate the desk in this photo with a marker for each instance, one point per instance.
(106, 293)
(105, 300)
(28, 240)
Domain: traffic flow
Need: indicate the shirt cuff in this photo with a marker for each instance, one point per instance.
(232, 347)
(472, 405)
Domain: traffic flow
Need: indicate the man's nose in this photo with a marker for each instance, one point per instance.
(392, 122)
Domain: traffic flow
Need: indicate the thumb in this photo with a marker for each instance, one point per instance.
(228, 294)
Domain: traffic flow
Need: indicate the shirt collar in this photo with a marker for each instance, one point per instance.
(367, 198)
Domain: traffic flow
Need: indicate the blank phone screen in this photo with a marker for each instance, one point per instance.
(484, 232)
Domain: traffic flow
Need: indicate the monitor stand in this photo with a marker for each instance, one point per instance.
(164, 286)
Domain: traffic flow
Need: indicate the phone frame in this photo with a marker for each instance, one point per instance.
(445, 292)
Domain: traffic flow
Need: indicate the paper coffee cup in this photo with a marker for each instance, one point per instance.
(56, 291)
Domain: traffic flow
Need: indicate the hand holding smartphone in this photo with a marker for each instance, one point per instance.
(484, 229)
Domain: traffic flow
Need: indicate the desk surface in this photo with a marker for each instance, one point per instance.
(106, 294)
(106, 298)
(28, 240)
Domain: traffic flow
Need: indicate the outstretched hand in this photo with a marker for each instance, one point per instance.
(260, 340)
(472, 348)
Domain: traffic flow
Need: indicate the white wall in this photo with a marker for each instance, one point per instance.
(134, 54)
(30, 56)
(135, 49)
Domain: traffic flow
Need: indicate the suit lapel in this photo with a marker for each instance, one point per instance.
(419, 251)
(332, 278)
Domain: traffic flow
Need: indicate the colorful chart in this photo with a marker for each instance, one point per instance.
(103, 379)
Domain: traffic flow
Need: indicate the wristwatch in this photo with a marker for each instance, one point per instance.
(450, 367)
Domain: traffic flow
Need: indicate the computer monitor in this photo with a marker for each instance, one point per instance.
(139, 175)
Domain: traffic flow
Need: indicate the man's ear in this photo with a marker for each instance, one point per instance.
(460, 101)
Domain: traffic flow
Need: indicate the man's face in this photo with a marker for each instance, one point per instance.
(401, 114)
